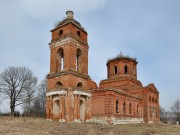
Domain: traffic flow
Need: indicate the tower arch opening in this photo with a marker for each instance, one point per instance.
(125, 69)
(78, 59)
(60, 59)
(115, 70)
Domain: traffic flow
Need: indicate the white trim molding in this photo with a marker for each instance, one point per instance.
(62, 92)
(81, 93)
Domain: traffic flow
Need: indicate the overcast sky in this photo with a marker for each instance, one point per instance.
(146, 29)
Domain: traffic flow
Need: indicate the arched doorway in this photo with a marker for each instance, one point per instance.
(82, 110)
(56, 107)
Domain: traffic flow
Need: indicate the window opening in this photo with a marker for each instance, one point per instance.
(78, 57)
(124, 107)
(117, 108)
(78, 33)
(115, 69)
(79, 85)
(59, 85)
(137, 109)
(60, 59)
(130, 110)
(125, 69)
(60, 32)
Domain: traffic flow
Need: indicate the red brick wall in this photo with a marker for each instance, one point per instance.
(98, 104)
(120, 64)
(104, 104)
(70, 81)
(69, 29)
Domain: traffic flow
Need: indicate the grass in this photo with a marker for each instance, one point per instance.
(39, 126)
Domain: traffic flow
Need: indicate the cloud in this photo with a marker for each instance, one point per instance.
(43, 8)
(148, 30)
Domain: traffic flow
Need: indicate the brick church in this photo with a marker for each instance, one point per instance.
(73, 97)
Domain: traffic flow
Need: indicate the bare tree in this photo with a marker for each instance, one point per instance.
(28, 101)
(42, 97)
(175, 108)
(15, 83)
(39, 104)
(163, 114)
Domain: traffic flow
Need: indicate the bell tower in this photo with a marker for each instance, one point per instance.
(69, 47)
(69, 72)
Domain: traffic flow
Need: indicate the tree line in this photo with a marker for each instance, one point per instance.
(20, 87)
(172, 115)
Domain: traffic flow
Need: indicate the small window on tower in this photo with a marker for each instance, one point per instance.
(125, 69)
(60, 32)
(115, 69)
(78, 33)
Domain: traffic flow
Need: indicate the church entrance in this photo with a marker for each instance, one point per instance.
(56, 107)
(82, 110)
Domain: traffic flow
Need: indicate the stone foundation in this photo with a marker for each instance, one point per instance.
(113, 120)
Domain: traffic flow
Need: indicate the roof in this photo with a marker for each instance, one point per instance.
(117, 91)
(122, 57)
(66, 21)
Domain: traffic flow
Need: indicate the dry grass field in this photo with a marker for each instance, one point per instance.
(37, 126)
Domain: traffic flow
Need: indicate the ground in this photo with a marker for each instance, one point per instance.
(39, 126)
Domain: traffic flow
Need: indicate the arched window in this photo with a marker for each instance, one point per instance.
(60, 58)
(58, 85)
(60, 32)
(130, 109)
(137, 109)
(115, 70)
(78, 59)
(124, 108)
(79, 85)
(125, 69)
(156, 101)
(150, 99)
(150, 112)
(117, 106)
(78, 33)
(153, 100)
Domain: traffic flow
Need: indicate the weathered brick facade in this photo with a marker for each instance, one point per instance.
(67, 97)
(73, 96)
(122, 96)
